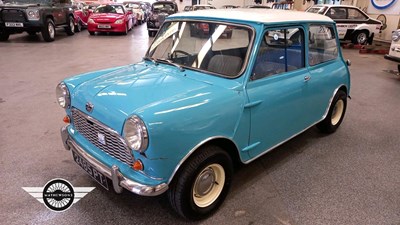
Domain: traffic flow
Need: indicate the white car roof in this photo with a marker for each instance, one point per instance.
(254, 15)
(331, 6)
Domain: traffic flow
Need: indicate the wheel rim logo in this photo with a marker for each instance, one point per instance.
(58, 194)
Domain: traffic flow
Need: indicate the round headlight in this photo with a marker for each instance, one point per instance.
(62, 94)
(135, 134)
(396, 35)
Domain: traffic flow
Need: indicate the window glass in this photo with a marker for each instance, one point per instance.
(281, 51)
(322, 44)
(209, 46)
(337, 13)
(355, 14)
(110, 9)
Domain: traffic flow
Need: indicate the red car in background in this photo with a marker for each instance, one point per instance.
(110, 18)
(82, 14)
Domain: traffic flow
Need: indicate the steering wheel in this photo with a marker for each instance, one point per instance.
(175, 53)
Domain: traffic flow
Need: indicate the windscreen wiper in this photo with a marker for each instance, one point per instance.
(168, 61)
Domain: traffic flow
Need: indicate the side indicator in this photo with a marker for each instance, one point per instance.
(137, 165)
(66, 119)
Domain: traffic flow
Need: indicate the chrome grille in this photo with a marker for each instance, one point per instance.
(91, 129)
(161, 17)
(13, 15)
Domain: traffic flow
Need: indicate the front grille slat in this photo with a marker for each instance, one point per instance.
(90, 129)
(13, 15)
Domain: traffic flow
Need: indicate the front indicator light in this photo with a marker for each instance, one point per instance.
(137, 165)
(66, 119)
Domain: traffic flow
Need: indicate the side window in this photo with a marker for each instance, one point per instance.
(355, 14)
(280, 51)
(337, 13)
(322, 44)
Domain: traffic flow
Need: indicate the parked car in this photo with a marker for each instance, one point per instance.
(229, 7)
(257, 7)
(136, 8)
(394, 51)
(18, 16)
(352, 23)
(110, 18)
(178, 121)
(81, 14)
(159, 12)
(197, 7)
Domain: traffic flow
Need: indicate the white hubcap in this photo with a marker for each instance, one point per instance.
(362, 37)
(51, 30)
(208, 185)
(337, 112)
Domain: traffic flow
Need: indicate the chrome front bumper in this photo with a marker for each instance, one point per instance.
(118, 180)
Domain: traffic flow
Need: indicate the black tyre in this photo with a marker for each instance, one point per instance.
(360, 37)
(91, 32)
(126, 30)
(202, 183)
(78, 27)
(152, 33)
(335, 115)
(70, 29)
(4, 35)
(49, 30)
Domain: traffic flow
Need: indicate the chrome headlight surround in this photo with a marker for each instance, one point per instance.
(33, 14)
(396, 35)
(135, 134)
(63, 96)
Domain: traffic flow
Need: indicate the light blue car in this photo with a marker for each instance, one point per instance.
(178, 121)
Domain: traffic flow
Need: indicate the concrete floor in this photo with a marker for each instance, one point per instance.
(349, 177)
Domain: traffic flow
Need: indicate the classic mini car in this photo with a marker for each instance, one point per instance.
(394, 51)
(136, 8)
(159, 11)
(179, 120)
(352, 23)
(33, 16)
(110, 18)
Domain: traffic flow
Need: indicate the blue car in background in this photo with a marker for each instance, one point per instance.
(178, 121)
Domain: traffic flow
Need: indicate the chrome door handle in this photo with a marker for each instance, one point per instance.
(307, 78)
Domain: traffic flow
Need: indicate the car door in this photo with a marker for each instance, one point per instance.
(278, 90)
(57, 12)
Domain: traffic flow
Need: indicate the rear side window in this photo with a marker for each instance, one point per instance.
(322, 44)
(281, 51)
(355, 14)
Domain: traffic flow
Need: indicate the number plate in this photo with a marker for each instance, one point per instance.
(8, 24)
(85, 165)
(104, 26)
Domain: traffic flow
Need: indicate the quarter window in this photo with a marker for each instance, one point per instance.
(280, 51)
(355, 14)
(322, 44)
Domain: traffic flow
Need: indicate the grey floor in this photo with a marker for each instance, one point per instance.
(349, 177)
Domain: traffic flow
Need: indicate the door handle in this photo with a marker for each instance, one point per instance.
(307, 78)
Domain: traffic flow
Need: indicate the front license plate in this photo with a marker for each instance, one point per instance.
(104, 26)
(8, 24)
(96, 175)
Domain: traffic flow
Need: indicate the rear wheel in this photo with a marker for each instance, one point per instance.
(335, 114)
(202, 184)
(152, 33)
(4, 35)
(49, 30)
(360, 37)
(70, 29)
(91, 32)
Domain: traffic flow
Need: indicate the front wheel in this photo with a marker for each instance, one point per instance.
(91, 32)
(78, 27)
(4, 35)
(335, 114)
(49, 30)
(202, 184)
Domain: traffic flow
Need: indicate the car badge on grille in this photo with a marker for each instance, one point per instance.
(101, 138)
(89, 107)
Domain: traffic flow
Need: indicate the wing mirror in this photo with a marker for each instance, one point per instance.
(348, 62)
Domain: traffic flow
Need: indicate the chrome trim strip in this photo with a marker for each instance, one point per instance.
(193, 150)
(280, 143)
(119, 180)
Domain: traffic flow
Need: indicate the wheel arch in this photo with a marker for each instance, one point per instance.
(341, 87)
(224, 143)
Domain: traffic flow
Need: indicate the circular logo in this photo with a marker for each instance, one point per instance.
(58, 195)
(382, 4)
